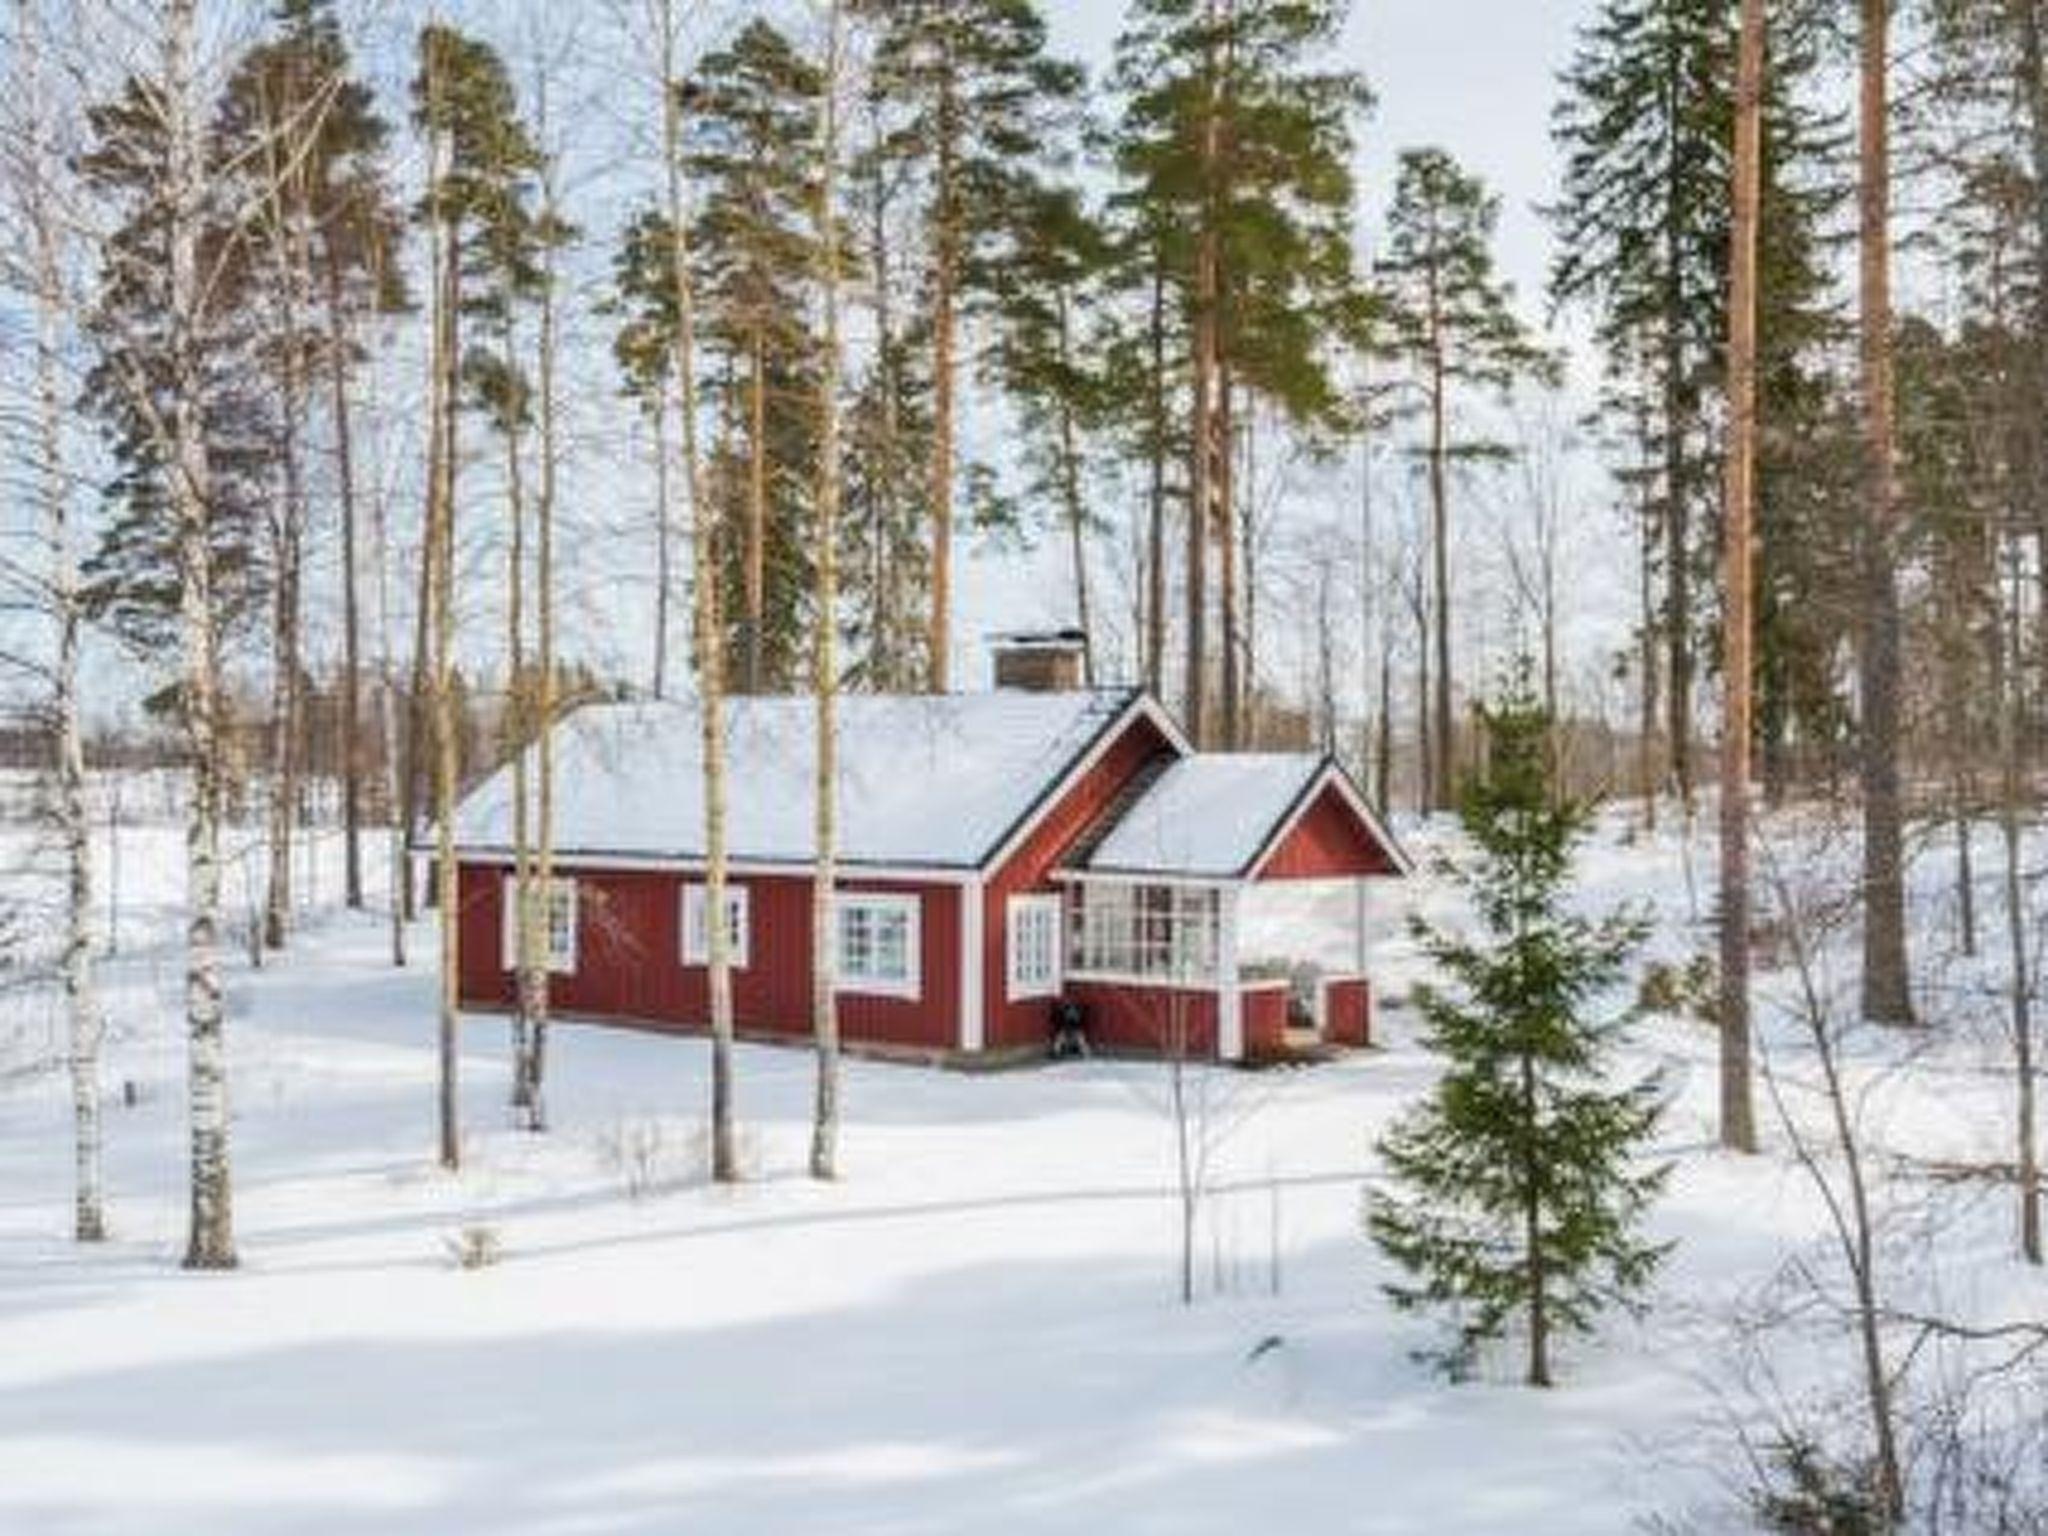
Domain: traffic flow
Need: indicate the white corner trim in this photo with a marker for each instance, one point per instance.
(1229, 999)
(973, 1021)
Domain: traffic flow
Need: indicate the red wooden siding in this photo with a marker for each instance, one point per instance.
(1026, 1023)
(1347, 1011)
(1328, 841)
(629, 957)
(1263, 1008)
(1147, 1020)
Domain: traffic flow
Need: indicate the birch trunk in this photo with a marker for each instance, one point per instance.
(1738, 1111)
(824, 883)
(439, 565)
(85, 1022)
(2007, 692)
(340, 344)
(525, 917)
(662, 558)
(544, 683)
(945, 275)
(705, 611)
(755, 561)
(211, 1243)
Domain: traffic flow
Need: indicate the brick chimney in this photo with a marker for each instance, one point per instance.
(1039, 661)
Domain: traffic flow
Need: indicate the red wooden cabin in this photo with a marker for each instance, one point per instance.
(998, 852)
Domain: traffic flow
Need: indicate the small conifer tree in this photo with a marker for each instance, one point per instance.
(1516, 1190)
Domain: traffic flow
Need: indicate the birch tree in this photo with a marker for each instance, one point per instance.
(35, 164)
(704, 596)
(825, 661)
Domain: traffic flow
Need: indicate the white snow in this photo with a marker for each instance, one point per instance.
(1207, 816)
(935, 781)
(975, 1329)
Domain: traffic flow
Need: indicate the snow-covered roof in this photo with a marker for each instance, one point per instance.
(924, 781)
(1208, 816)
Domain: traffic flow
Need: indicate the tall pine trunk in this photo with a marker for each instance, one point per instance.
(1070, 493)
(1155, 530)
(285, 725)
(1227, 582)
(1202, 434)
(1442, 791)
(1887, 996)
(1738, 1110)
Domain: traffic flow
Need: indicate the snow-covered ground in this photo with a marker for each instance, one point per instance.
(977, 1329)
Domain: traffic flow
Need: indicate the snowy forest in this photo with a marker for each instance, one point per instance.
(1656, 541)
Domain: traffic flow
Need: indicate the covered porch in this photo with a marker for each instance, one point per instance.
(1229, 912)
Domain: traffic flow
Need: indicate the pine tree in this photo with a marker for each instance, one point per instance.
(753, 134)
(886, 569)
(1451, 325)
(1646, 122)
(1234, 146)
(970, 99)
(1046, 361)
(643, 297)
(478, 153)
(131, 578)
(1516, 1192)
(1886, 995)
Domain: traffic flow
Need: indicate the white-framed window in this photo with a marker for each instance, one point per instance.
(558, 924)
(1145, 932)
(697, 935)
(1033, 946)
(879, 943)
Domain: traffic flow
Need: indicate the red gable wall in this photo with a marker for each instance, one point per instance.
(1026, 1023)
(1330, 840)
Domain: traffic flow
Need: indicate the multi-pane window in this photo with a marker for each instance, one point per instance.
(1034, 946)
(878, 944)
(557, 916)
(697, 934)
(1146, 932)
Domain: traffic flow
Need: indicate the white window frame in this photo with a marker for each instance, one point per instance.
(1153, 933)
(869, 984)
(696, 938)
(562, 888)
(1023, 914)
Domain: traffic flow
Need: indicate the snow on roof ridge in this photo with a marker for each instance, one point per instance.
(1209, 815)
(925, 779)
